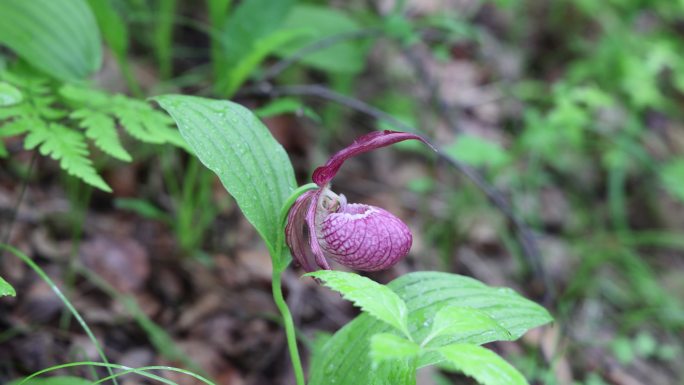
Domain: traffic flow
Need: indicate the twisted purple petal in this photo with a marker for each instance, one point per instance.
(295, 234)
(364, 237)
(311, 216)
(324, 174)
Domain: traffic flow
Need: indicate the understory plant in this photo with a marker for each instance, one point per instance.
(420, 319)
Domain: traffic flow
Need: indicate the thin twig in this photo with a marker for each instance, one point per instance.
(523, 233)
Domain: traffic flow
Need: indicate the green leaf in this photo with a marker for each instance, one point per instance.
(59, 37)
(485, 366)
(260, 50)
(250, 21)
(387, 346)
(9, 95)
(344, 358)
(6, 289)
(671, 175)
(101, 128)
(322, 22)
(286, 106)
(143, 208)
(58, 380)
(112, 26)
(234, 144)
(373, 298)
(454, 322)
(477, 152)
(67, 146)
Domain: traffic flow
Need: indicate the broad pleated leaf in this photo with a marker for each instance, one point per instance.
(485, 366)
(344, 358)
(59, 37)
(235, 145)
(453, 322)
(6, 289)
(373, 298)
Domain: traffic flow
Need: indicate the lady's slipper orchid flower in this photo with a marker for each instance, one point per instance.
(321, 224)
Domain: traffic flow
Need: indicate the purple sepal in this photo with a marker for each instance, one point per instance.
(324, 174)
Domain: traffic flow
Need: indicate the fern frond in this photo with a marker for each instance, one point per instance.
(136, 117)
(69, 147)
(13, 111)
(16, 127)
(101, 129)
(140, 120)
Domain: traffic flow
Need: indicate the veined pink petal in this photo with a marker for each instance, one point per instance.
(364, 237)
(324, 174)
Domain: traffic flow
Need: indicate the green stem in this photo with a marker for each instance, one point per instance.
(289, 327)
(131, 81)
(278, 268)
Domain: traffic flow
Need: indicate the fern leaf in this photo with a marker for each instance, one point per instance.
(83, 96)
(139, 119)
(101, 129)
(67, 146)
(13, 112)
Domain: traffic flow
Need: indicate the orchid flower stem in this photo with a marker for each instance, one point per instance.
(278, 268)
(289, 327)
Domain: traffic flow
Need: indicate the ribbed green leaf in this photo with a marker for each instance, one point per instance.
(451, 322)
(344, 359)
(481, 364)
(59, 37)
(235, 145)
(373, 298)
(6, 289)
